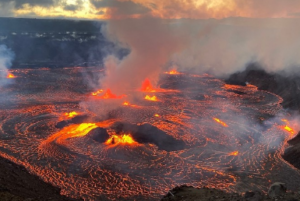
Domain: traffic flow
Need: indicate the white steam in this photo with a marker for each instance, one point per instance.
(220, 47)
(6, 57)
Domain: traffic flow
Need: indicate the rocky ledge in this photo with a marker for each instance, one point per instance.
(277, 192)
(17, 184)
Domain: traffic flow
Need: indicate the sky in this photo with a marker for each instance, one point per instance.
(165, 9)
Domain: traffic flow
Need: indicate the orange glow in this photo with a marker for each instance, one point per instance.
(97, 92)
(173, 72)
(76, 130)
(220, 122)
(71, 114)
(124, 139)
(153, 98)
(252, 86)
(109, 95)
(147, 87)
(157, 115)
(10, 76)
(235, 153)
(126, 103)
(287, 127)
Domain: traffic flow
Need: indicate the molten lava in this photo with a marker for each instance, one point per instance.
(149, 98)
(173, 72)
(220, 122)
(287, 127)
(97, 92)
(235, 153)
(76, 130)
(10, 76)
(109, 95)
(252, 86)
(147, 87)
(71, 114)
(124, 139)
(198, 148)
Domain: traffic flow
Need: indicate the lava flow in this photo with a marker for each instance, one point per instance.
(124, 139)
(107, 94)
(287, 127)
(235, 153)
(220, 122)
(151, 98)
(201, 132)
(71, 114)
(173, 72)
(97, 92)
(10, 76)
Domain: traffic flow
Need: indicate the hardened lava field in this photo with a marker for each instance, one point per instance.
(97, 145)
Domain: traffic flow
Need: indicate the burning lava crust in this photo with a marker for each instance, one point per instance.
(193, 130)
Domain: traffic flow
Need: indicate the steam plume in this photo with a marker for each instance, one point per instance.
(6, 57)
(215, 46)
(151, 42)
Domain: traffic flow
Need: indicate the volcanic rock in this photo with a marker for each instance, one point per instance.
(277, 189)
(76, 120)
(99, 135)
(61, 124)
(17, 184)
(292, 155)
(79, 119)
(254, 196)
(295, 140)
(189, 193)
(147, 133)
(288, 87)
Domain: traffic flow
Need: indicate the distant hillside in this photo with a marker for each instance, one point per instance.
(8, 25)
(55, 43)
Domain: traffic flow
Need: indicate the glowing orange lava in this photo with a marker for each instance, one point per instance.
(252, 86)
(71, 114)
(153, 98)
(157, 115)
(220, 122)
(76, 130)
(126, 103)
(10, 76)
(287, 127)
(97, 92)
(124, 139)
(173, 72)
(235, 153)
(109, 95)
(147, 87)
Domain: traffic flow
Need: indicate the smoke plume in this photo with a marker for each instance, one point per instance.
(219, 47)
(151, 42)
(6, 57)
